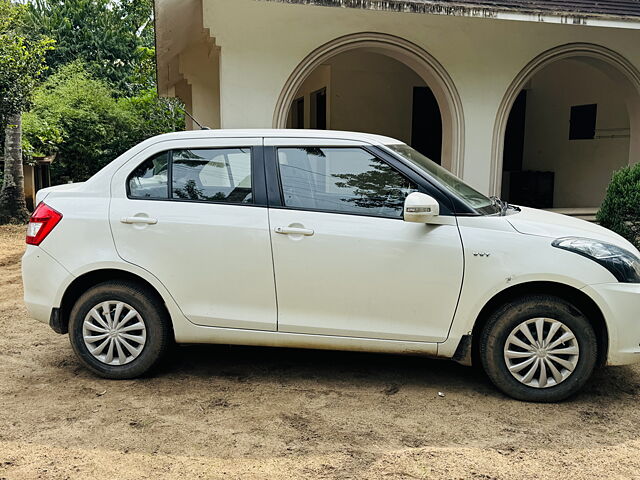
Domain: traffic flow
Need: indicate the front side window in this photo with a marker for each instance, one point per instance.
(342, 180)
(150, 179)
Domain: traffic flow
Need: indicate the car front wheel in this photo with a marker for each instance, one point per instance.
(119, 330)
(538, 348)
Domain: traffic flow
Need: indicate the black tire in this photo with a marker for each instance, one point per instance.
(506, 318)
(155, 318)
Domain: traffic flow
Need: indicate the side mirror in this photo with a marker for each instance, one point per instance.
(420, 208)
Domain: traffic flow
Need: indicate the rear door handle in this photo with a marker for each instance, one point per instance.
(145, 220)
(307, 232)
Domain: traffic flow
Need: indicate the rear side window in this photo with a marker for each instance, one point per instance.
(342, 180)
(217, 175)
(151, 178)
(209, 175)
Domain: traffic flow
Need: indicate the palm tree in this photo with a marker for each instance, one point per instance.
(21, 63)
(13, 207)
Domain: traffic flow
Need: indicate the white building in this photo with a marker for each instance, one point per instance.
(536, 101)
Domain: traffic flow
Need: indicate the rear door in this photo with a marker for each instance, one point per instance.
(346, 264)
(193, 213)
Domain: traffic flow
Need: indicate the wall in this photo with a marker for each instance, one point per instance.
(372, 93)
(199, 64)
(367, 92)
(262, 43)
(582, 168)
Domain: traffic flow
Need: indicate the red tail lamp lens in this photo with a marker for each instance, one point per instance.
(42, 221)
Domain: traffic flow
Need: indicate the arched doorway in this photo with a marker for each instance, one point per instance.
(379, 84)
(569, 120)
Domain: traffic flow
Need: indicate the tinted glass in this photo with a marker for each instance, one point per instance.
(150, 179)
(476, 200)
(348, 180)
(215, 175)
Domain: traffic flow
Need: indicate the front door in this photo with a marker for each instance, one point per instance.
(188, 213)
(346, 264)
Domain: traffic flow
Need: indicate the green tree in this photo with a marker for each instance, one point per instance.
(81, 119)
(150, 115)
(21, 63)
(115, 39)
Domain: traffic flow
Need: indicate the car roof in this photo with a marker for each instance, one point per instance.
(282, 133)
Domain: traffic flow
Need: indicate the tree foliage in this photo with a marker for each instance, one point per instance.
(21, 60)
(21, 63)
(82, 120)
(620, 210)
(113, 38)
(99, 97)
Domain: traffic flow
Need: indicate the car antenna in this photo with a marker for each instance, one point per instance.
(202, 127)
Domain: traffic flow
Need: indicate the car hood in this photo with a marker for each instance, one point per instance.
(531, 221)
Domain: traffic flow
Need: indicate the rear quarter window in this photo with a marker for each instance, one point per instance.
(151, 178)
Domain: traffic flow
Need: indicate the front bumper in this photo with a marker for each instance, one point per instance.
(42, 277)
(620, 305)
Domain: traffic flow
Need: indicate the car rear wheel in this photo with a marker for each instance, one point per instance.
(119, 330)
(538, 348)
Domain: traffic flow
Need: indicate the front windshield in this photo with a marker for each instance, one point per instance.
(476, 200)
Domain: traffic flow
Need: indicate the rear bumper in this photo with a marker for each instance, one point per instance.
(620, 304)
(42, 277)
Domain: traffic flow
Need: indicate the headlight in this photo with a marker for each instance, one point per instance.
(624, 265)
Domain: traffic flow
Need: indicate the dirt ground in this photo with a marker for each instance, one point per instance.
(238, 412)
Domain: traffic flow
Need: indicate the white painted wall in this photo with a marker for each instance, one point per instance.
(262, 43)
(582, 168)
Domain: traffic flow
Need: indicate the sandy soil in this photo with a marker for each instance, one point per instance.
(235, 412)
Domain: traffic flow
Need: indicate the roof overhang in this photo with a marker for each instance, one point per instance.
(179, 23)
(479, 9)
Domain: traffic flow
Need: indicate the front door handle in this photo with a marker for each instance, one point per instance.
(145, 220)
(307, 232)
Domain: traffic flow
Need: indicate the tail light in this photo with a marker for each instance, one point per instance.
(41, 223)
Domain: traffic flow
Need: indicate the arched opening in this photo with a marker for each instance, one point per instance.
(572, 121)
(380, 84)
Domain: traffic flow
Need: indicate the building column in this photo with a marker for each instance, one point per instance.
(200, 67)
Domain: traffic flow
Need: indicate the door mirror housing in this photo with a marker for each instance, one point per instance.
(420, 208)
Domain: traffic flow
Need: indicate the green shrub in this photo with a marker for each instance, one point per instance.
(620, 210)
(79, 118)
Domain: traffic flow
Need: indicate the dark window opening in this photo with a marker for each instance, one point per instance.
(582, 125)
(297, 113)
(514, 134)
(426, 125)
(319, 109)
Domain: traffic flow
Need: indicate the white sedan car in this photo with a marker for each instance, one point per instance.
(332, 240)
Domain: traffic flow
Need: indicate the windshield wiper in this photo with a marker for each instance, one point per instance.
(503, 205)
(497, 202)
